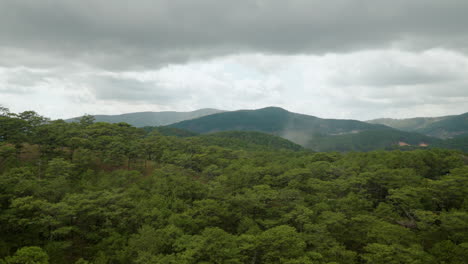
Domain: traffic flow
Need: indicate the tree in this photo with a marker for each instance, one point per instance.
(396, 254)
(28, 255)
(279, 244)
(87, 120)
(213, 245)
(4, 111)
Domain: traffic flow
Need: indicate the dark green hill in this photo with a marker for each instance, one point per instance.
(459, 143)
(440, 127)
(308, 131)
(171, 131)
(447, 128)
(409, 124)
(372, 140)
(277, 121)
(248, 140)
(142, 119)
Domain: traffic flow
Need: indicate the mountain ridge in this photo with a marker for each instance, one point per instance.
(301, 129)
(443, 127)
(150, 118)
(312, 132)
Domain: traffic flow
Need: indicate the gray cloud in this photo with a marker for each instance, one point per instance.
(343, 58)
(121, 34)
(123, 89)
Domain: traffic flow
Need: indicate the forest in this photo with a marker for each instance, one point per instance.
(101, 193)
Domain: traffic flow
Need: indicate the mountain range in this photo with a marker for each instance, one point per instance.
(142, 119)
(318, 134)
(441, 127)
(308, 131)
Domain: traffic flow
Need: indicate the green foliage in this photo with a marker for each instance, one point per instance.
(28, 255)
(111, 193)
(170, 131)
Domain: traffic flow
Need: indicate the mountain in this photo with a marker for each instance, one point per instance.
(449, 127)
(170, 131)
(277, 121)
(308, 131)
(248, 140)
(373, 140)
(142, 119)
(409, 124)
(440, 127)
(459, 142)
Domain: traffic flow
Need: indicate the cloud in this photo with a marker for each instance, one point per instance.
(346, 59)
(144, 34)
(359, 85)
(397, 68)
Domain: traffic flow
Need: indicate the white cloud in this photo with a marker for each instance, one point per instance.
(360, 85)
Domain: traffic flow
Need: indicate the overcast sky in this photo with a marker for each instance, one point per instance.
(358, 59)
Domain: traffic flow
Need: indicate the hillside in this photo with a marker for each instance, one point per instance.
(142, 119)
(372, 140)
(447, 128)
(170, 131)
(249, 140)
(112, 193)
(459, 142)
(408, 124)
(298, 128)
(308, 131)
(440, 127)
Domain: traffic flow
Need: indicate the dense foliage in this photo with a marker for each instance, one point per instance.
(110, 193)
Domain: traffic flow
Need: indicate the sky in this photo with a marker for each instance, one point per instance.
(350, 59)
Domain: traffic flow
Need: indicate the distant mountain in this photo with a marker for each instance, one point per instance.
(449, 127)
(308, 131)
(215, 127)
(373, 140)
(440, 127)
(248, 140)
(459, 142)
(298, 128)
(409, 124)
(171, 131)
(142, 119)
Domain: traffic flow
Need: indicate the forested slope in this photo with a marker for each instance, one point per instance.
(273, 120)
(408, 124)
(110, 193)
(373, 140)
